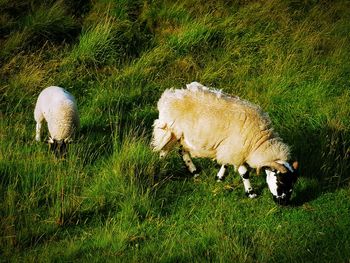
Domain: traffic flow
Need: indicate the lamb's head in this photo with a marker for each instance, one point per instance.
(281, 177)
(59, 147)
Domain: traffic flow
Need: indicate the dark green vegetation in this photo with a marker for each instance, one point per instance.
(120, 202)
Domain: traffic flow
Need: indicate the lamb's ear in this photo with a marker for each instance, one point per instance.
(50, 140)
(277, 166)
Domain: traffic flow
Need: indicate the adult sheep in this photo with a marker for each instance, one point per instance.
(208, 123)
(58, 107)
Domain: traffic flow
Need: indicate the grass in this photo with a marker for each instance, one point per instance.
(42, 23)
(120, 202)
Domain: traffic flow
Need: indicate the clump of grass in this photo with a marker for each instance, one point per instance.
(46, 23)
(114, 39)
(109, 41)
(96, 44)
(132, 160)
(194, 37)
(51, 23)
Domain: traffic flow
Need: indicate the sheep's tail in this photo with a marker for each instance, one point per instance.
(161, 135)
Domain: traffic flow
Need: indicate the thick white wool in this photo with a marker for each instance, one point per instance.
(209, 123)
(58, 107)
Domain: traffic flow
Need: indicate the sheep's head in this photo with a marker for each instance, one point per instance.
(59, 147)
(281, 177)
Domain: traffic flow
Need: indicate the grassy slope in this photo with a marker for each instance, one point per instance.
(120, 200)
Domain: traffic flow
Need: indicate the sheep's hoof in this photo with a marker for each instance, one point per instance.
(196, 176)
(219, 180)
(251, 194)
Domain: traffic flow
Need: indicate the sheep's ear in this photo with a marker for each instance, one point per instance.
(295, 165)
(50, 140)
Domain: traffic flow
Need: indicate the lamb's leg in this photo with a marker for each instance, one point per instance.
(39, 118)
(220, 176)
(244, 173)
(188, 162)
(38, 131)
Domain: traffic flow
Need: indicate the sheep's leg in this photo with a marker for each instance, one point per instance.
(220, 176)
(188, 162)
(244, 173)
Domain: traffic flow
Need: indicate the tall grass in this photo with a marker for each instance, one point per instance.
(114, 38)
(96, 45)
(113, 199)
(44, 23)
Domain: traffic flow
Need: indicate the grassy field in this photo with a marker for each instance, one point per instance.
(120, 202)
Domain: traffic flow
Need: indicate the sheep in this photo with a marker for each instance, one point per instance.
(208, 123)
(58, 107)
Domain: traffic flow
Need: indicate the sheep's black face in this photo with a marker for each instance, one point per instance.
(59, 147)
(281, 184)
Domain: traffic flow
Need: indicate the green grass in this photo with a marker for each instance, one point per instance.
(113, 199)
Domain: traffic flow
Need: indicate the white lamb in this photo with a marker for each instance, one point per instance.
(208, 123)
(58, 107)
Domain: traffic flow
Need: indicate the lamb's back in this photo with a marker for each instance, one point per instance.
(60, 111)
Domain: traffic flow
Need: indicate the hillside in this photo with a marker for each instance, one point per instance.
(113, 199)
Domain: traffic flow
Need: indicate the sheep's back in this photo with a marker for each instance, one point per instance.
(213, 106)
(209, 121)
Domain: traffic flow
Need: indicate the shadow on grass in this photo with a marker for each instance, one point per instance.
(326, 167)
(96, 142)
(327, 162)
